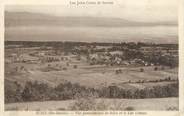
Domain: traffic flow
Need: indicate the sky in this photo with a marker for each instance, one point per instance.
(136, 10)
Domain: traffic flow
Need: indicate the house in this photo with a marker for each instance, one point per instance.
(28, 59)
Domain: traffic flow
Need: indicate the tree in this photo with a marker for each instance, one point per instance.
(141, 70)
(12, 92)
(75, 66)
(27, 92)
(156, 68)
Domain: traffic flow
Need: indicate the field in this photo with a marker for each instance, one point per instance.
(97, 75)
(122, 104)
(40, 78)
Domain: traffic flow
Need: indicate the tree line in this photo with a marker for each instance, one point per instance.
(35, 91)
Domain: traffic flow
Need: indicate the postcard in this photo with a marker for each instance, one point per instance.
(92, 57)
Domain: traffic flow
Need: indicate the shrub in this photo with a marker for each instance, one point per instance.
(118, 71)
(84, 104)
(12, 109)
(75, 66)
(162, 68)
(129, 108)
(62, 109)
(64, 68)
(156, 68)
(101, 105)
(67, 64)
(172, 108)
(34, 91)
(116, 105)
(13, 92)
(141, 70)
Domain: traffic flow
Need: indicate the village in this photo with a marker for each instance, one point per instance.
(37, 71)
(101, 55)
(116, 57)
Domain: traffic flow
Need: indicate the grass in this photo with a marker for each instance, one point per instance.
(156, 104)
(97, 75)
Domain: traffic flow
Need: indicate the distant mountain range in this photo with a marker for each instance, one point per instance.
(27, 26)
(38, 19)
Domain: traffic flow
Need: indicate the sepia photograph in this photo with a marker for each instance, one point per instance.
(89, 56)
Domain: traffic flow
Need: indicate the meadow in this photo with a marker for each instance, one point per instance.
(35, 76)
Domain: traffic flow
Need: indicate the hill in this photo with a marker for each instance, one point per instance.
(31, 19)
